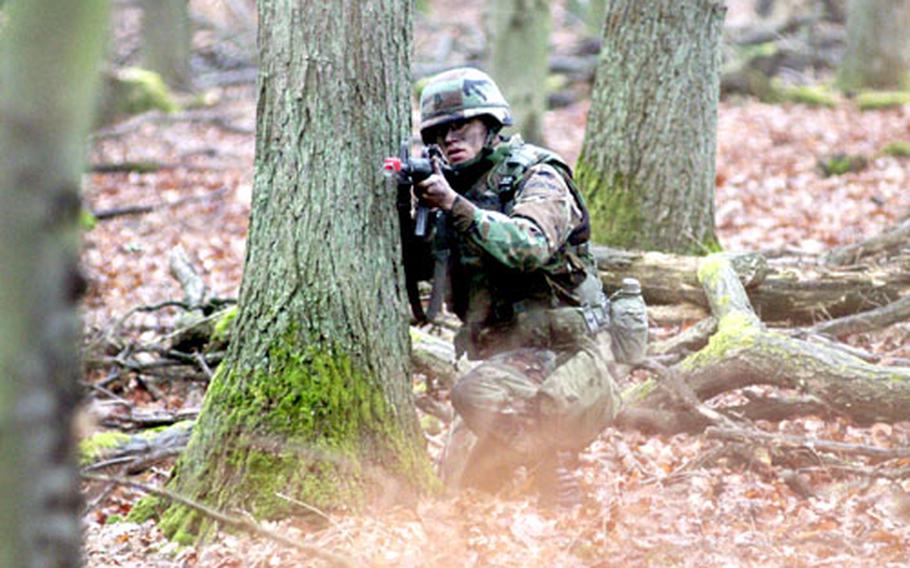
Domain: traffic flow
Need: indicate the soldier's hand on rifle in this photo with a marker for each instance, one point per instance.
(435, 191)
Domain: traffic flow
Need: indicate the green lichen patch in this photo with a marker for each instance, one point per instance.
(809, 95)
(87, 220)
(879, 100)
(620, 217)
(140, 90)
(221, 331)
(149, 507)
(897, 149)
(617, 215)
(840, 164)
(96, 446)
(735, 332)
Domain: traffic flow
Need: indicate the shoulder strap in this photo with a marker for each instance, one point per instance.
(506, 180)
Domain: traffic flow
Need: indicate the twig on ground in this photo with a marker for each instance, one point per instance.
(142, 209)
(844, 448)
(225, 519)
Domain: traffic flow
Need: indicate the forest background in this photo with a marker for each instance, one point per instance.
(182, 179)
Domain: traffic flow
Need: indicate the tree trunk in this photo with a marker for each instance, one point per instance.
(49, 53)
(519, 60)
(648, 158)
(781, 293)
(591, 12)
(166, 40)
(878, 45)
(314, 398)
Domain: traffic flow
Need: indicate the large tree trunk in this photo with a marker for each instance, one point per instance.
(878, 45)
(648, 159)
(314, 397)
(166, 40)
(520, 45)
(47, 78)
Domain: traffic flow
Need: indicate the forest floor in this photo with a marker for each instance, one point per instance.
(646, 504)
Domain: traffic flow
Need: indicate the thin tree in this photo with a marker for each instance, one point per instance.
(519, 38)
(647, 161)
(48, 73)
(166, 40)
(878, 45)
(314, 398)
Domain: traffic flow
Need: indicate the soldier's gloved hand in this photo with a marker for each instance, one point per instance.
(435, 191)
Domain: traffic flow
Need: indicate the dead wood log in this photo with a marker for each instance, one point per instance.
(137, 452)
(891, 241)
(842, 448)
(781, 293)
(866, 321)
(743, 352)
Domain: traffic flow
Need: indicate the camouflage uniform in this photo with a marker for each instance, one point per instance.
(525, 287)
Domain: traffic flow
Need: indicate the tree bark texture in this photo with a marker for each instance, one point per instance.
(878, 45)
(48, 74)
(166, 40)
(520, 41)
(314, 398)
(780, 293)
(648, 159)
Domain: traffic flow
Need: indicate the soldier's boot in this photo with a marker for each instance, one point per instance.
(557, 485)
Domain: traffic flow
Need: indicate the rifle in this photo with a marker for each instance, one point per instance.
(418, 241)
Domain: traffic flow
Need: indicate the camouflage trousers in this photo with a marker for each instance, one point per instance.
(519, 407)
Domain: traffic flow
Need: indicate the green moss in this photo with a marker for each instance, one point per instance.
(809, 95)
(878, 100)
(149, 507)
(616, 211)
(310, 423)
(222, 328)
(87, 220)
(430, 424)
(840, 164)
(140, 90)
(618, 214)
(735, 331)
(897, 149)
(94, 447)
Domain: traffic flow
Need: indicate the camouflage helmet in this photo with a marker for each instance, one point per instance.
(461, 93)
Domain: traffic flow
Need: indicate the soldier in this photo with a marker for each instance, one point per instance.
(523, 283)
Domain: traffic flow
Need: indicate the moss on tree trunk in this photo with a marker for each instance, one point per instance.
(314, 398)
(647, 162)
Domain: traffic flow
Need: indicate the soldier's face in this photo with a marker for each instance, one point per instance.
(461, 140)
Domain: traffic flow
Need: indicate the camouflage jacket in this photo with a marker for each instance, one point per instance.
(520, 237)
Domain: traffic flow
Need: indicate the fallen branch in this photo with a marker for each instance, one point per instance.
(781, 292)
(786, 440)
(241, 523)
(891, 241)
(106, 214)
(866, 321)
